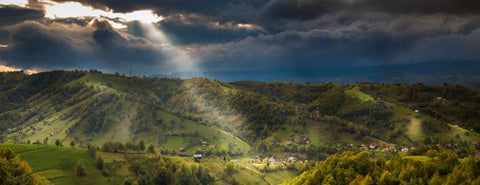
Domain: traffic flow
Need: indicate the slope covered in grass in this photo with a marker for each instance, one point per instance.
(203, 115)
(57, 164)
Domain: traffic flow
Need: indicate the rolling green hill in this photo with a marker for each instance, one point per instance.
(57, 164)
(200, 115)
(249, 121)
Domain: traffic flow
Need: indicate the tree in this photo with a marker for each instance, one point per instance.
(431, 153)
(45, 141)
(151, 149)
(92, 151)
(387, 179)
(100, 162)
(129, 181)
(142, 145)
(80, 169)
(226, 158)
(14, 171)
(72, 143)
(58, 142)
(230, 169)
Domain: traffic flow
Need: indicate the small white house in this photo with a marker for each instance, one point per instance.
(197, 157)
(272, 160)
(405, 149)
(293, 159)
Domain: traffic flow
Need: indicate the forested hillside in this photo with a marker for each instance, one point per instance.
(360, 169)
(202, 115)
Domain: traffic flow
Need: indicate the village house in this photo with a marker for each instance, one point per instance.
(197, 157)
(475, 143)
(272, 160)
(363, 147)
(292, 159)
(213, 146)
(388, 149)
(304, 140)
(405, 149)
(373, 146)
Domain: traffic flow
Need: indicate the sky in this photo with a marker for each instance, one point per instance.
(146, 37)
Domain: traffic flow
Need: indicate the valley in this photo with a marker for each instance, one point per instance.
(271, 132)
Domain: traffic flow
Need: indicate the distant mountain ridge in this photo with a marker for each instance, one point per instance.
(461, 73)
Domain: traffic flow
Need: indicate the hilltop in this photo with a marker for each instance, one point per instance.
(242, 118)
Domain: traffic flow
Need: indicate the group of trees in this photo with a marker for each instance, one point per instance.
(443, 168)
(14, 171)
(337, 103)
(160, 170)
(117, 147)
(449, 103)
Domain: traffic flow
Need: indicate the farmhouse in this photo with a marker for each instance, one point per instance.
(292, 159)
(404, 149)
(388, 149)
(272, 160)
(197, 157)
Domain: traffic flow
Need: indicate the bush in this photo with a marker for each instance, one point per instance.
(80, 169)
(100, 162)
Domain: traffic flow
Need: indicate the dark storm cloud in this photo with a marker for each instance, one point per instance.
(32, 44)
(426, 6)
(252, 34)
(182, 34)
(300, 9)
(59, 45)
(391, 39)
(249, 10)
(309, 9)
(15, 14)
(305, 49)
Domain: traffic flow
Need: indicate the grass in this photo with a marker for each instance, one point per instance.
(280, 176)
(414, 129)
(179, 126)
(356, 92)
(57, 164)
(420, 158)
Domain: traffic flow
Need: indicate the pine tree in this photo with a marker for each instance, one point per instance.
(80, 169)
